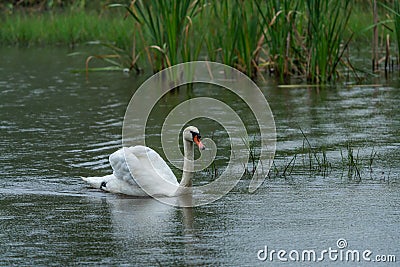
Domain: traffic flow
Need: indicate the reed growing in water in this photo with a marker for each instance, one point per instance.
(395, 19)
(233, 34)
(396, 9)
(280, 30)
(165, 29)
(306, 39)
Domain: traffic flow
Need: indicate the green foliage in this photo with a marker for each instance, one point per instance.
(327, 22)
(352, 162)
(316, 161)
(296, 37)
(41, 5)
(306, 38)
(395, 12)
(396, 9)
(233, 34)
(67, 27)
(280, 30)
(164, 27)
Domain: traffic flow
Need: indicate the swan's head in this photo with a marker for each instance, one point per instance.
(192, 134)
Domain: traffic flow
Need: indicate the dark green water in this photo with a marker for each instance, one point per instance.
(57, 126)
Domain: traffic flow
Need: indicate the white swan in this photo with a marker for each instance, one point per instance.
(149, 169)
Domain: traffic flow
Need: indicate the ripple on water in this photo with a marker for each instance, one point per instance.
(57, 126)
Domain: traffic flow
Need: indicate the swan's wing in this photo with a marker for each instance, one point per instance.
(151, 161)
(120, 168)
(148, 168)
(151, 171)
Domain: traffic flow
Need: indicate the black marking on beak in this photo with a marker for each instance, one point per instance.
(195, 134)
(103, 184)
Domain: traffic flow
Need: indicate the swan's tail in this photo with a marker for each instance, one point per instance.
(111, 184)
(98, 182)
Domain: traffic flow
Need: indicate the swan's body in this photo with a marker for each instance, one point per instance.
(148, 169)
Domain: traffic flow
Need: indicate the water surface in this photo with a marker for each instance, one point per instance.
(57, 126)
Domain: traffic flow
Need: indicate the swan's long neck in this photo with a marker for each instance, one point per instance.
(188, 165)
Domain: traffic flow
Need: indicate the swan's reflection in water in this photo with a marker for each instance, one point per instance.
(147, 225)
(147, 215)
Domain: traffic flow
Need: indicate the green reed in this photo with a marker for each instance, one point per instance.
(305, 39)
(221, 39)
(250, 38)
(396, 9)
(63, 28)
(353, 162)
(279, 20)
(251, 146)
(326, 25)
(395, 12)
(233, 34)
(165, 29)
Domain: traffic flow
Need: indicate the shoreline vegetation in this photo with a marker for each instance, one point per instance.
(311, 40)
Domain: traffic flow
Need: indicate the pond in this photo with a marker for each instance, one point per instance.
(57, 126)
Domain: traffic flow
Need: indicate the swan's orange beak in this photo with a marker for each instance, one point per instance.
(196, 139)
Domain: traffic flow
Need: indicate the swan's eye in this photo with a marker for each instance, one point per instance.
(196, 138)
(194, 134)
